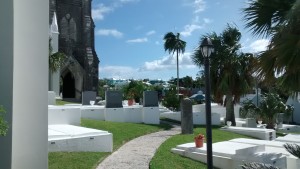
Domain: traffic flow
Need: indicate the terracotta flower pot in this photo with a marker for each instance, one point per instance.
(130, 102)
(199, 142)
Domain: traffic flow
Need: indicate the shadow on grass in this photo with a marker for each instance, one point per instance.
(195, 126)
(162, 125)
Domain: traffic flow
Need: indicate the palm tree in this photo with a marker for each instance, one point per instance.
(279, 21)
(173, 44)
(231, 71)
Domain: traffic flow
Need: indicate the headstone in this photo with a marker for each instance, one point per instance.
(51, 98)
(150, 99)
(250, 122)
(186, 116)
(88, 96)
(113, 99)
(279, 120)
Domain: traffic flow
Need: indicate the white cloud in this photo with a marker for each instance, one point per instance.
(99, 11)
(151, 32)
(259, 45)
(200, 6)
(169, 63)
(116, 72)
(207, 20)
(189, 29)
(109, 32)
(163, 68)
(157, 42)
(138, 40)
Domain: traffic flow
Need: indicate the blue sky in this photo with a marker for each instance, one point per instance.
(129, 34)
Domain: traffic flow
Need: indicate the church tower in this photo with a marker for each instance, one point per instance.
(76, 40)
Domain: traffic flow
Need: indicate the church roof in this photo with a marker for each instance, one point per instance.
(54, 26)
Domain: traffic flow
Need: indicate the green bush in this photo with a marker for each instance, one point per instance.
(270, 105)
(170, 100)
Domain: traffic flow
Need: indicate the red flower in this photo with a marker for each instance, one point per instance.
(200, 136)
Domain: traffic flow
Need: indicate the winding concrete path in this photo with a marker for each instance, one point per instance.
(138, 152)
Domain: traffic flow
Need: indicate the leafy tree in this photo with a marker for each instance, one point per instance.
(171, 101)
(231, 71)
(280, 22)
(55, 59)
(173, 44)
(3, 123)
(101, 88)
(134, 90)
(187, 81)
(199, 81)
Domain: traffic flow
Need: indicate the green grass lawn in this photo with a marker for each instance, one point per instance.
(62, 102)
(165, 159)
(122, 133)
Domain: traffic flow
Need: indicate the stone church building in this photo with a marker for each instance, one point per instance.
(76, 40)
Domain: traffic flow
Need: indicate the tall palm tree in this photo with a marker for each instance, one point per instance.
(231, 71)
(173, 44)
(279, 21)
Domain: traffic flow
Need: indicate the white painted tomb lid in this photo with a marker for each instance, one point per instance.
(88, 107)
(63, 131)
(290, 138)
(233, 128)
(63, 107)
(225, 148)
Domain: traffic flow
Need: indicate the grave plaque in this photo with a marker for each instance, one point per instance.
(279, 120)
(113, 99)
(150, 99)
(88, 96)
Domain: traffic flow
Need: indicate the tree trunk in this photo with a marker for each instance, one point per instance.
(230, 110)
(177, 74)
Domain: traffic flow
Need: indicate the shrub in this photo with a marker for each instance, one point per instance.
(270, 105)
(171, 101)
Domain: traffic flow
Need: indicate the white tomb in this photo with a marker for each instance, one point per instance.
(93, 112)
(151, 115)
(231, 154)
(73, 138)
(65, 134)
(261, 133)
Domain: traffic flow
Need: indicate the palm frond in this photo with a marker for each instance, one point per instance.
(294, 149)
(262, 17)
(255, 165)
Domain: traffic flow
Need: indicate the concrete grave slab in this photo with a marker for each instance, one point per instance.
(74, 138)
(261, 133)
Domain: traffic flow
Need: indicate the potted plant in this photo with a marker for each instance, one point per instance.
(199, 139)
(130, 98)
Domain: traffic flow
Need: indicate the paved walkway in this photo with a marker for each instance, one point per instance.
(138, 152)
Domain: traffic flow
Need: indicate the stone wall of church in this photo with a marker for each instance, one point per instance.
(76, 38)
